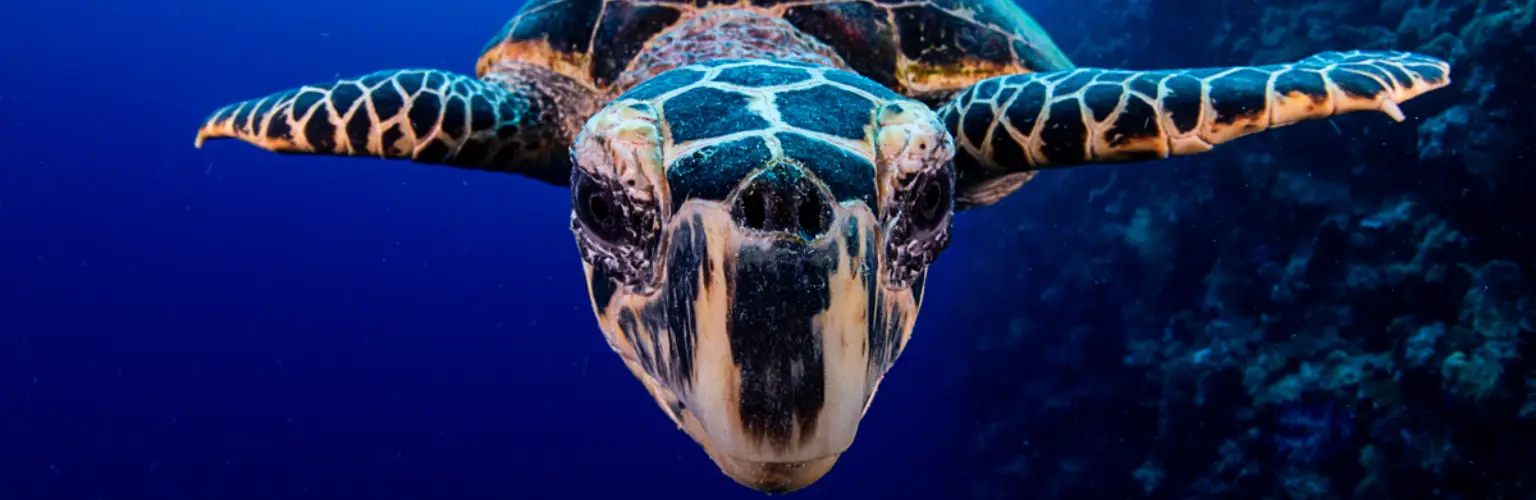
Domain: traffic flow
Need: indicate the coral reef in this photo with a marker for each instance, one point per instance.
(1350, 318)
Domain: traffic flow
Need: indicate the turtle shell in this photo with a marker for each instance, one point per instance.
(921, 49)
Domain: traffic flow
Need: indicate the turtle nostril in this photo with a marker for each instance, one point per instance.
(783, 200)
(810, 216)
(754, 209)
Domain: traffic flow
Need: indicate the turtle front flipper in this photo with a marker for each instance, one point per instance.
(1008, 127)
(518, 119)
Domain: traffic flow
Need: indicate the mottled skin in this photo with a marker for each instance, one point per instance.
(758, 188)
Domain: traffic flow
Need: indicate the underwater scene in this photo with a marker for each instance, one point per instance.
(941, 249)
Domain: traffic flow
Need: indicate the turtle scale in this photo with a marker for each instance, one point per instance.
(922, 49)
(782, 108)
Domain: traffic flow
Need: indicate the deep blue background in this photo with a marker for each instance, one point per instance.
(227, 323)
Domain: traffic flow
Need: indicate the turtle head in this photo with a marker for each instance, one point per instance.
(760, 285)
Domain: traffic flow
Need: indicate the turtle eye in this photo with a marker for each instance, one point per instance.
(932, 198)
(932, 201)
(596, 207)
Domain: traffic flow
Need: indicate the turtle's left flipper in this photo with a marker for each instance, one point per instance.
(519, 119)
(1006, 127)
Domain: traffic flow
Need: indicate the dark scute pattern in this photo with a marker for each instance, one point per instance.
(568, 27)
(319, 131)
(861, 83)
(1240, 94)
(1006, 95)
(1064, 134)
(1368, 69)
(1309, 83)
(278, 128)
(986, 89)
(624, 30)
(713, 171)
(1430, 73)
(243, 116)
(482, 116)
(1074, 83)
(424, 113)
(663, 83)
(978, 119)
(933, 36)
(1355, 84)
(410, 82)
(1026, 108)
(1103, 99)
(857, 31)
(827, 109)
(436, 151)
(435, 80)
(262, 111)
(358, 129)
(848, 176)
(454, 117)
(374, 79)
(773, 338)
(1006, 152)
(1138, 120)
(476, 150)
(344, 95)
(702, 113)
(386, 101)
(1399, 76)
(762, 75)
(222, 114)
(1183, 102)
(951, 117)
(390, 136)
(1146, 84)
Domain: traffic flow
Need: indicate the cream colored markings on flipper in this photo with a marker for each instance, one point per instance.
(844, 328)
(1035, 148)
(1296, 106)
(984, 152)
(1158, 144)
(1179, 142)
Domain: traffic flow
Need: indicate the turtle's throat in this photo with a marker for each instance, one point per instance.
(727, 34)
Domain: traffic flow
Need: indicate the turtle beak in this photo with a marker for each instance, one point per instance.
(782, 379)
(771, 330)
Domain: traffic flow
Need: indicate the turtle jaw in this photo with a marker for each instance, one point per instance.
(765, 348)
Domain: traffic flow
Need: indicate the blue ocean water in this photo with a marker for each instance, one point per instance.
(225, 323)
(1340, 308)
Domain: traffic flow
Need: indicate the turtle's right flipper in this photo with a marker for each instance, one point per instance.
(519, 119)
(1015, 124)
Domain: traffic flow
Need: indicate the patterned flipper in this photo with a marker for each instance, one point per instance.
(521, 120)
(1008, 126)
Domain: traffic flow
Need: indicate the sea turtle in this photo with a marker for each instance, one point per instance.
(760, 186)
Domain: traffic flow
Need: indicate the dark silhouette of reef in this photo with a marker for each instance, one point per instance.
(1316, 312)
